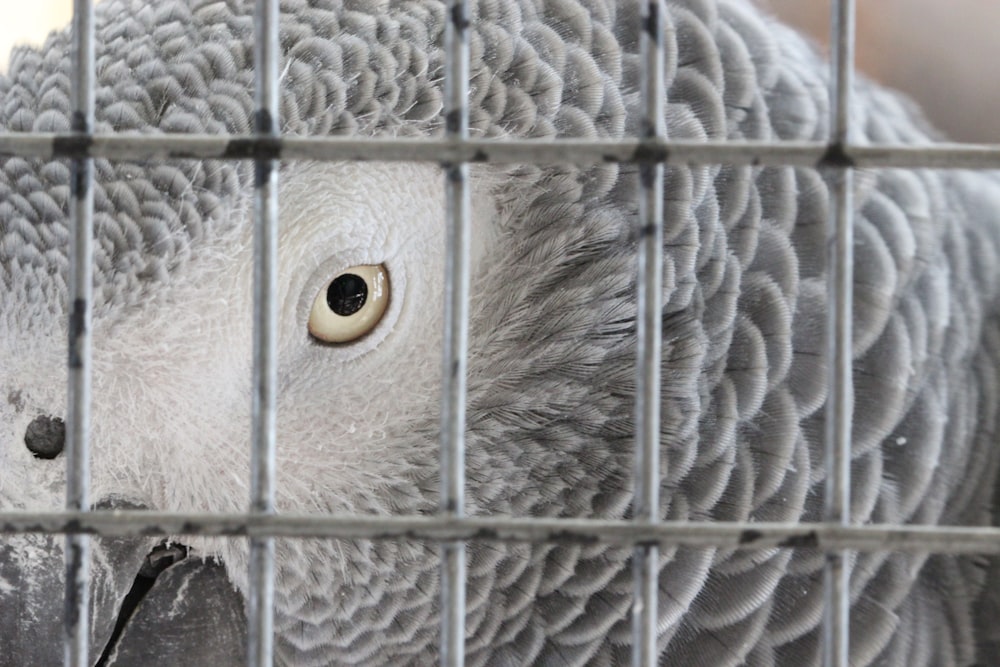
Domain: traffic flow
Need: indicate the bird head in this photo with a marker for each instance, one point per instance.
(361, 284)
(551, 358)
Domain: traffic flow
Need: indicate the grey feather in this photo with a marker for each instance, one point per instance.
(551, 384)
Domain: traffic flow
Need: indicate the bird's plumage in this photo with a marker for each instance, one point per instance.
(552, 350)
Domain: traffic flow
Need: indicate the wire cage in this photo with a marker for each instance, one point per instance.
(652, 151)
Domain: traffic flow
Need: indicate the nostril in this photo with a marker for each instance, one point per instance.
(45, 437)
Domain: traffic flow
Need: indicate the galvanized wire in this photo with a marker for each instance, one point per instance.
(514, 151)
(744, 535)
(840, 404)
(260, 608)
(76, 618)
(456, 333)
(646, 557)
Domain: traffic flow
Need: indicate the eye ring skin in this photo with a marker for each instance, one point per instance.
(368, 307)
(296, 339)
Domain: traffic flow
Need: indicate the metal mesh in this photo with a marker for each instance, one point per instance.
(652, 150)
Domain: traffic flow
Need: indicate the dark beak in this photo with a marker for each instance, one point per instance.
(150, 602)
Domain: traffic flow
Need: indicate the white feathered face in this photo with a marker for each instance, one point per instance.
(360, 330)
(360, 301)
(361, 274)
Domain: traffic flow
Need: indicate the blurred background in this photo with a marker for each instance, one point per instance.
(943, 53)
(30, 22)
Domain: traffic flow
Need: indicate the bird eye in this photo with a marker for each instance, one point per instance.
(350, 305)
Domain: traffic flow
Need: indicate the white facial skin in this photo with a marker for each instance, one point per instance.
(171, 407)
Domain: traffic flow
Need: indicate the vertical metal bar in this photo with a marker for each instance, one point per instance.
(456, 328)
(646, 558)
(260, 635)
(840, 406)
(76, 615)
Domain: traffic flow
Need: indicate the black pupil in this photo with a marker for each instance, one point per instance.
(347, 294)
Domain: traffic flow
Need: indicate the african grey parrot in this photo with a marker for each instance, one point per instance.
(552, 343)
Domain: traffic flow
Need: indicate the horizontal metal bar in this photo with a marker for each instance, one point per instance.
(521, 151)
(736, 535)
